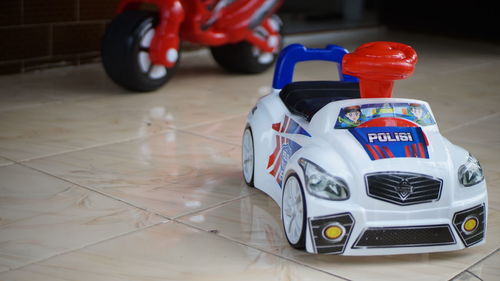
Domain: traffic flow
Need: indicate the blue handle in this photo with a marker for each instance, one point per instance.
(295, 53)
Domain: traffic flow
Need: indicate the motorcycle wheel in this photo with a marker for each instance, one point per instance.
(243, 57)
(125, 52)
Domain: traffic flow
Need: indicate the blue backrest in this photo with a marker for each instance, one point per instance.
(295, 53)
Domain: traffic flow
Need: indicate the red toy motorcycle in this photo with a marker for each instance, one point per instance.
(141, 49)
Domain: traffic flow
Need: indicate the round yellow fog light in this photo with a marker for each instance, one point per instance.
(470, 224)
(334, 231)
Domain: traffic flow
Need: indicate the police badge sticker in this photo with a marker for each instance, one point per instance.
(286, 153)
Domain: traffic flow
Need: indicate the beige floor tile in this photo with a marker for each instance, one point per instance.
(171, 173)
(456, 98)
(230, 130)
(493, 189)
(488, 269)
(41, 216)
(482, 139)
(167, 252)
(54, 85)
(437, 55)
(125, 145)
(191, 99)
(256, 221)
(60, 127)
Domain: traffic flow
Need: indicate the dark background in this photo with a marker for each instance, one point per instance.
(38, 34)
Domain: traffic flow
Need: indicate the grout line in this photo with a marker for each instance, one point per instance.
(467, 67)
(473, 274)
(261, 250)
(77, 10)
(91, 53)
(210, 138)
(484, 258)
(474, 264)
(22, 12)
(169, 219)
(470, 122)
(210, 122)
(174, 219)
(22, 107)
(167, 129)
(152, 211)
(211, 207)
(96, 21)
(96, 190)
(82, 247)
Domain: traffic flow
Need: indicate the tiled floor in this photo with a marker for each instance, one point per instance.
(100, 184)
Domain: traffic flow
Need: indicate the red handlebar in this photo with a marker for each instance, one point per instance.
(377, 65)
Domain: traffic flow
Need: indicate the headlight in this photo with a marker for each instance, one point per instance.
(321, 184)
(471, 172)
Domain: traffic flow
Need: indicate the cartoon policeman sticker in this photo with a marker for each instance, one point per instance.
(418, 114)
(351, 117)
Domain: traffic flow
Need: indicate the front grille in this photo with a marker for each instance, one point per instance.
(323, 245)
(475, 236)
(403, 188)
(408, 236)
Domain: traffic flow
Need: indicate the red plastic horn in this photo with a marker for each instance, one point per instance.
(377, 65)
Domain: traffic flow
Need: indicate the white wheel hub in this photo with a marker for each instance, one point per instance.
(154, 71)
(273, 41)
(172, 55)
(247, 155)
(293, 210)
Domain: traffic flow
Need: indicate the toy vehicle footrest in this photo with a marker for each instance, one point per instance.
(305, 98)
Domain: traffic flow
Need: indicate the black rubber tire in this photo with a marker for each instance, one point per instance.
(120, 49)
(301, 244)
(240, 58)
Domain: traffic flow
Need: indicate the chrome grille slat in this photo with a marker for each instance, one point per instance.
(403, 188)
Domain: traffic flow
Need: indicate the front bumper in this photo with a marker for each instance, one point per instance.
(378, 232)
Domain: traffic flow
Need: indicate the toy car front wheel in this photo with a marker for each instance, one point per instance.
(293, 212)
(243, 57)
(125, 52)
(248, 157)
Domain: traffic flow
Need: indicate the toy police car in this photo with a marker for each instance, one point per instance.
(360, 176)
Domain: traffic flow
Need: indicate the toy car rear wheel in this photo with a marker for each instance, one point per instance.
(244, 57)
(294, 212)
(125, 52)
(248, 157)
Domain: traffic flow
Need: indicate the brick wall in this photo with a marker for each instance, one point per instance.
(37, 34)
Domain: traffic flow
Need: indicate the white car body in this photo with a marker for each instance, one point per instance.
(365, 218)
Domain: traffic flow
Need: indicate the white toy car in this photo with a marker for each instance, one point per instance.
(360, 176)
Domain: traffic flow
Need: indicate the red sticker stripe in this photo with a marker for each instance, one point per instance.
(380, 152)
(276, 166)
(372, 152)
(407, 151)
(275, 152)
(285, 124)
(422, 151)
(388, 152)
(414, 150)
